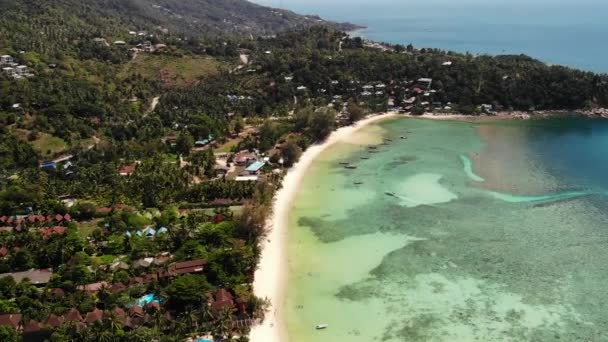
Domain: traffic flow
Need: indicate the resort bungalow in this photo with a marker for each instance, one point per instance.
(255, 168)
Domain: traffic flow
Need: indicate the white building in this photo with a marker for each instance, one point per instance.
(21, 70)
(6, 60)
(9, 71)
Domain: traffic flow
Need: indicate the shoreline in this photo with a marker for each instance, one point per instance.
(270, 280)
(512, 115)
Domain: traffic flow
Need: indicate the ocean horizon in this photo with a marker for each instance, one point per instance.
(571, 33)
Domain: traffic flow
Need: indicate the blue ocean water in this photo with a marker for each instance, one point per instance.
(567, 32)
(572, 149)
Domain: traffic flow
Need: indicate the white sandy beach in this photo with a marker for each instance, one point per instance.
(271, 275)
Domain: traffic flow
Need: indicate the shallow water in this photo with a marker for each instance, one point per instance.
(460, 232)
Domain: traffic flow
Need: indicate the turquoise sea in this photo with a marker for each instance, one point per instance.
(454, 231)
(568, 32)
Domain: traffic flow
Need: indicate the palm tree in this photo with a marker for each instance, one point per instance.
(224, 325)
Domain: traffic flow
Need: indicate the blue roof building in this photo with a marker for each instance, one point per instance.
(255, 167)
(204, 142)
(48, 165)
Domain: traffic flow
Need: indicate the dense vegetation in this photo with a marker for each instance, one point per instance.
(54, 26)
(126, 167)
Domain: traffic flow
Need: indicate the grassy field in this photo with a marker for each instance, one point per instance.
(227, 147)
(86, 228)
(183, 70)
(45, 144)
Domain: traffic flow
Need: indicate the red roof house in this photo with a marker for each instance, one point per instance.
(10, 320)
(94, 316)
(126, 170)
(32, 327)
(55, 321)
(73, 316)
(223, 299)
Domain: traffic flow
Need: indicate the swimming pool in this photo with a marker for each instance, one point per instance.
(147, 299)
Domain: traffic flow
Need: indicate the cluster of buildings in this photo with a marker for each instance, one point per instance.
(249, 166)
(17, 221)
(145, 45)
(370, 90)
(12, 69)
(130, 317)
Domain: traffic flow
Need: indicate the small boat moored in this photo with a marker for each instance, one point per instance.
(321, 326)
(351, 167)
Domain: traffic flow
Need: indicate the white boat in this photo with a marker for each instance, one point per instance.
(321, 326)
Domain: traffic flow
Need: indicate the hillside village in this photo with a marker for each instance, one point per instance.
(139, 163)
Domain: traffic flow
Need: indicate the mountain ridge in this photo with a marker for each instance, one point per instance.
(51, 25)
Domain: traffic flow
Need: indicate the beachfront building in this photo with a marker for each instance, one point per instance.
(255, 168)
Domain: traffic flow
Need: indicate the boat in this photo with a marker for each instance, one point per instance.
(374, 151)
(358, 183)
(372, 147)
(344, 163)
(352, 167)
(364, 158)
(321, 326)
(392, 194)
(403, 137)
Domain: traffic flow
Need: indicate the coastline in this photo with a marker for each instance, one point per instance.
(271, 276)
(512, 115)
